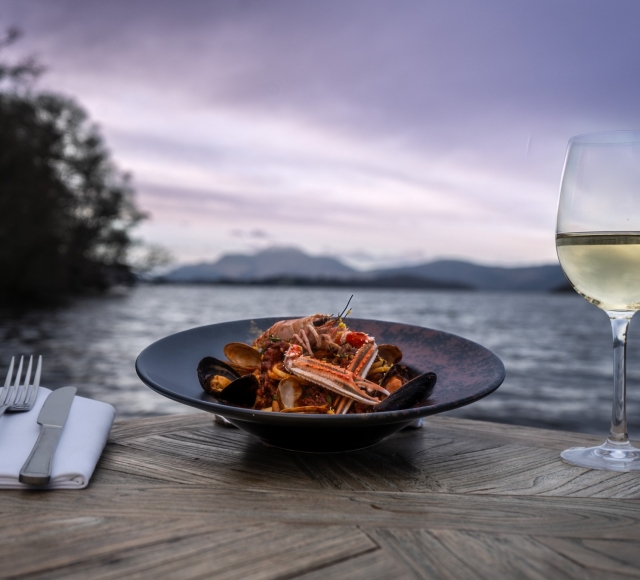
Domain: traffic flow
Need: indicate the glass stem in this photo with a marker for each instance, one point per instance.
(619, 326)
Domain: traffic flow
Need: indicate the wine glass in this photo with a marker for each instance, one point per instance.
(598, 244)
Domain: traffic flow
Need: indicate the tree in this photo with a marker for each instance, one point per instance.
(65, 210)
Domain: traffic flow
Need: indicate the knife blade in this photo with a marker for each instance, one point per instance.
(53, 415)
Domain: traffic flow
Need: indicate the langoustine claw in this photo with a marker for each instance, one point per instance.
(342, 381)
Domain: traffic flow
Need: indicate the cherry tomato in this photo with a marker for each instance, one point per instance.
(356, 339)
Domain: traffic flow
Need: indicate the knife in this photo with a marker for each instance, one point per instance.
(54, 412)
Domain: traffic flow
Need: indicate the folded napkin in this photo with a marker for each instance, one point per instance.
(83, 438)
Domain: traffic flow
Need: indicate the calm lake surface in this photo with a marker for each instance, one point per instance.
(556, 347)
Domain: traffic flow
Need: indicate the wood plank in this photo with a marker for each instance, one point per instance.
(143, 426)
(219, 472)
(377, 565)
(108, 473)
(487, 462)
(455, 555)
(245, 463)
(368, 469)
(257, 552)
(181, 497)
(198, 455)
(206, 433)
(486, 467)
(543, 516)
(33, 546)
(619, 556)
(159, 468)
(446, 461)
(544, 438)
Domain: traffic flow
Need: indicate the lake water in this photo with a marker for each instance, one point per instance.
(556, 347)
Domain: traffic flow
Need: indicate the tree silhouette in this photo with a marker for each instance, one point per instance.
(65, 210)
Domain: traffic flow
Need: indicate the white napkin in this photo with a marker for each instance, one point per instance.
(83, 438)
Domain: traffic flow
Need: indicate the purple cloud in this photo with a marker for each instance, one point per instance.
(365, 127)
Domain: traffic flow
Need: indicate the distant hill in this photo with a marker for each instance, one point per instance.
(387, 282)
(288, 266)
(265, 264)
(548, 277)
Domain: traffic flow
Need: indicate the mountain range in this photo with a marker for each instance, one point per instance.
(548, 277)
(265, 264)
(289, 266)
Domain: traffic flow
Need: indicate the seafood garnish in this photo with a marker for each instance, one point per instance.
(315, 364)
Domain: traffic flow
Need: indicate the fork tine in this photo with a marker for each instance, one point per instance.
(36, 380)
(21, 395)
(11, 397)
(19, 373)
(7, 383)
(33, 389)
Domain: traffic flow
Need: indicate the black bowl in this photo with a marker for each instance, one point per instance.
(466, 373)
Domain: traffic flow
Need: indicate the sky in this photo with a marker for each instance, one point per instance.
(384, 132)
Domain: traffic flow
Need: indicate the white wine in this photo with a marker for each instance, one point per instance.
(603, 267)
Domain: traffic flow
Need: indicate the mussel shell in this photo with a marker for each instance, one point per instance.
(210, 366)
(415, 391)
(240, 391)
(397, 370)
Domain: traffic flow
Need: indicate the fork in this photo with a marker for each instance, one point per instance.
(20, 397)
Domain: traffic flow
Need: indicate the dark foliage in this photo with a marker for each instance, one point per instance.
(65, 211)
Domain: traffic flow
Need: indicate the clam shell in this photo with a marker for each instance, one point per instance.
(390, 353)
(289, 391)
(242, 356)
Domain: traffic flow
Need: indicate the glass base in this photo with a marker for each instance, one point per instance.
(609, 456)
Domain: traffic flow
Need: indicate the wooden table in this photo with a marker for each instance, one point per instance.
(182, 497)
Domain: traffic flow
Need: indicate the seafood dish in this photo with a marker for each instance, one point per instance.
(316, 365)
(466, 371)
